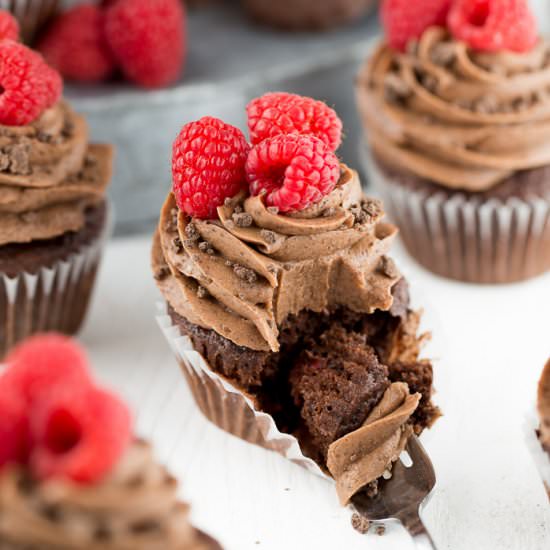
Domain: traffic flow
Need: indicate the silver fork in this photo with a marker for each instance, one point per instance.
(404, 495)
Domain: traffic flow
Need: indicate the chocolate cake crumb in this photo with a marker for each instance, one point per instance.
(380, 530)
(205, 246)
(192, 232)
(388, 267)
(396, 89)
(273, 210)
(329, 212)
(178, 245)
(238, 209)
(202, 292)
(14, 159)
(360, 523)
(268, 236)
(372, 207)
(245, 273)
(243, 219)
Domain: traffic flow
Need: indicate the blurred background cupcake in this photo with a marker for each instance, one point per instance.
(32, 15)
(53, 213)
(307, 14)
(457, 117)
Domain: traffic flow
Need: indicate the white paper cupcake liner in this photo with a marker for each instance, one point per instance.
(52, 299)
(469, 238)
(540, 456)
(225, 405)
(31, 14)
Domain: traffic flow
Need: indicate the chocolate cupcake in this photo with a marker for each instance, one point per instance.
(71, 479)
(53, 221)
(308, 14)
(291, 324)
(458, 129)
(32, 15)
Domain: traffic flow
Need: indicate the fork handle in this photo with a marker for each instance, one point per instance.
(411, 520)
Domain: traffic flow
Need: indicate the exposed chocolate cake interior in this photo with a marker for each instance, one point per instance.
(333, 368)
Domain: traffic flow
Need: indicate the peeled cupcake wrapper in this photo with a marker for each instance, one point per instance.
(468, 238)
(31, 14)
(52, 299)
(540, 456)
(225, 405)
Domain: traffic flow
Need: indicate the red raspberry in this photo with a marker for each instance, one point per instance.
(405, 20)
(78, 435)
(295, 171)
(281, 113)
(494, 25)
(147, 38)
(75, 45)
(14, 436)
(9, 27)
(208, 159)
(28, 84)
(42, 362)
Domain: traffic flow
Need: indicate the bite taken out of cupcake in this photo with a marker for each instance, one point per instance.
(72, 475)
(456, 107)
(53, 211)
(274, 268)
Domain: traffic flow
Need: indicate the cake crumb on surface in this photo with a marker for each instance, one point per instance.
(360, 523)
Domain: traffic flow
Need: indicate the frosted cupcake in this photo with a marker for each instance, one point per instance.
(53, 212)
(457, 117)
(297, 331)
(71, 473)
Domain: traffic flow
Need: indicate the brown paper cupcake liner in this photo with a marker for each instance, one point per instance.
(307, 14)
(52, 299)
(539, 455)
(225, 405)
(468, 238)
(31, 14)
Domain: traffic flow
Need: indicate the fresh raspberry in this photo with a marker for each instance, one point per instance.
(295, 171)
(208, 159)
(147, 38)
(281, 113)
(14, 436)
(43, 362)
(78, 435)
(75, 45)
(28, 85)
(494, 25)
(406, 20)
(9, 27)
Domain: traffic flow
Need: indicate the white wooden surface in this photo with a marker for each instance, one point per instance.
(491, 343)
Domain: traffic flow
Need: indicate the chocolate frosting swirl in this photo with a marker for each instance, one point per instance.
(134, 508)
(365, 454)
(543, 405)
(49, 176)
(463, 119)
(243, 274)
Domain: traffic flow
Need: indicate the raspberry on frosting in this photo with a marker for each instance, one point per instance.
(406, 20)
(208, 159)
(294, 171)
(78, 435)
(283, 113)
(147, 38)
(75, 45)
(9, 27)
(494, 25)
(53, 419)
(28, 84)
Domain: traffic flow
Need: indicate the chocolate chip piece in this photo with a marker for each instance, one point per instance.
(161, 273)
(244, 273)
(243, 219)
(268, 236)
(360, 523)
(178, 245)
(191, 232)
(388, 267)
(396, 88)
